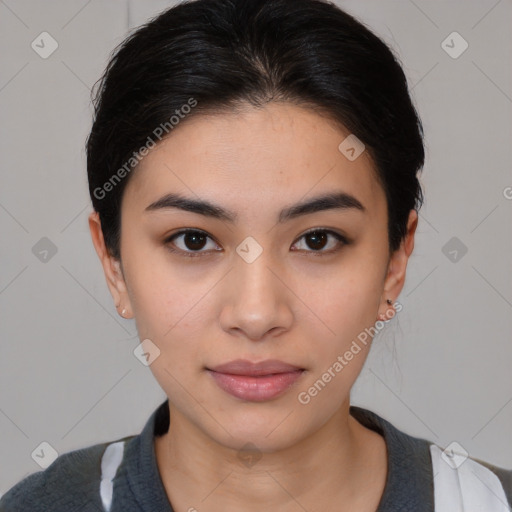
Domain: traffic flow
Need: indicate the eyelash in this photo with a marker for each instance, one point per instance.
(194, 254)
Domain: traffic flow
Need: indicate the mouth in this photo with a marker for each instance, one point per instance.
(255, 382)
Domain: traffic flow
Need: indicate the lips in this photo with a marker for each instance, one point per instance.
(244, 367)
(255, 382)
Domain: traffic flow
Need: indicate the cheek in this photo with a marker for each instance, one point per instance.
(172, 308)
(172, 316)
(169, 309)
(341, 341)
(345, 303)
(165, 296)
(344, 300)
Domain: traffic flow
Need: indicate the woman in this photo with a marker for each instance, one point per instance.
(253, 171)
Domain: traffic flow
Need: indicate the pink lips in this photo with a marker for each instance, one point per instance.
(255, 382)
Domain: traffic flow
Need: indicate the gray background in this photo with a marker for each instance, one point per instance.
(440, 370)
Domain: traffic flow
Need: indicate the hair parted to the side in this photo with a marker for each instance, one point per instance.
(217, 55)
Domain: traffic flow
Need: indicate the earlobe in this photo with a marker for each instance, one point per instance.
(111, 268)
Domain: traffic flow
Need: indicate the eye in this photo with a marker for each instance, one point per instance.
(317, 239)
(192, 241)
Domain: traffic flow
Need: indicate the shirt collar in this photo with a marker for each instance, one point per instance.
(409, 482)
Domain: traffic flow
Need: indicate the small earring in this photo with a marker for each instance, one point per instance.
(123, 312)
(383, 316)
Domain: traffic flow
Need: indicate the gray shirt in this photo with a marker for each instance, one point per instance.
(72, 482)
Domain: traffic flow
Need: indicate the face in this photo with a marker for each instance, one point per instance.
(243, 268)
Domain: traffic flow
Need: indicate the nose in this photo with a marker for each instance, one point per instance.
(257, 299)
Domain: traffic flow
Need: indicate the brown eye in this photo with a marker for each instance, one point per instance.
(194, 240)
(317, 239)
(190, 242)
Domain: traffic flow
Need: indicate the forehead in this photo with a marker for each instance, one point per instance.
(255, 156)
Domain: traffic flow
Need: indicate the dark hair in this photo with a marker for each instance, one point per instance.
(206, 56)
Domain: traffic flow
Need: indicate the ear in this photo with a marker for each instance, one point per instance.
(111, 267)
(397, 266)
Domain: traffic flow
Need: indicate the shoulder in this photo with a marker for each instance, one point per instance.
(484, 485)
(431, 477)
(504, 475)
(70, 484)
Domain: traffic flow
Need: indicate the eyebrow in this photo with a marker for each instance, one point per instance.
(331, 201)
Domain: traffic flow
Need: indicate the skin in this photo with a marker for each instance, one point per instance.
(289, 304)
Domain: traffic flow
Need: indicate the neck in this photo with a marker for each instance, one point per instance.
(332, 465)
